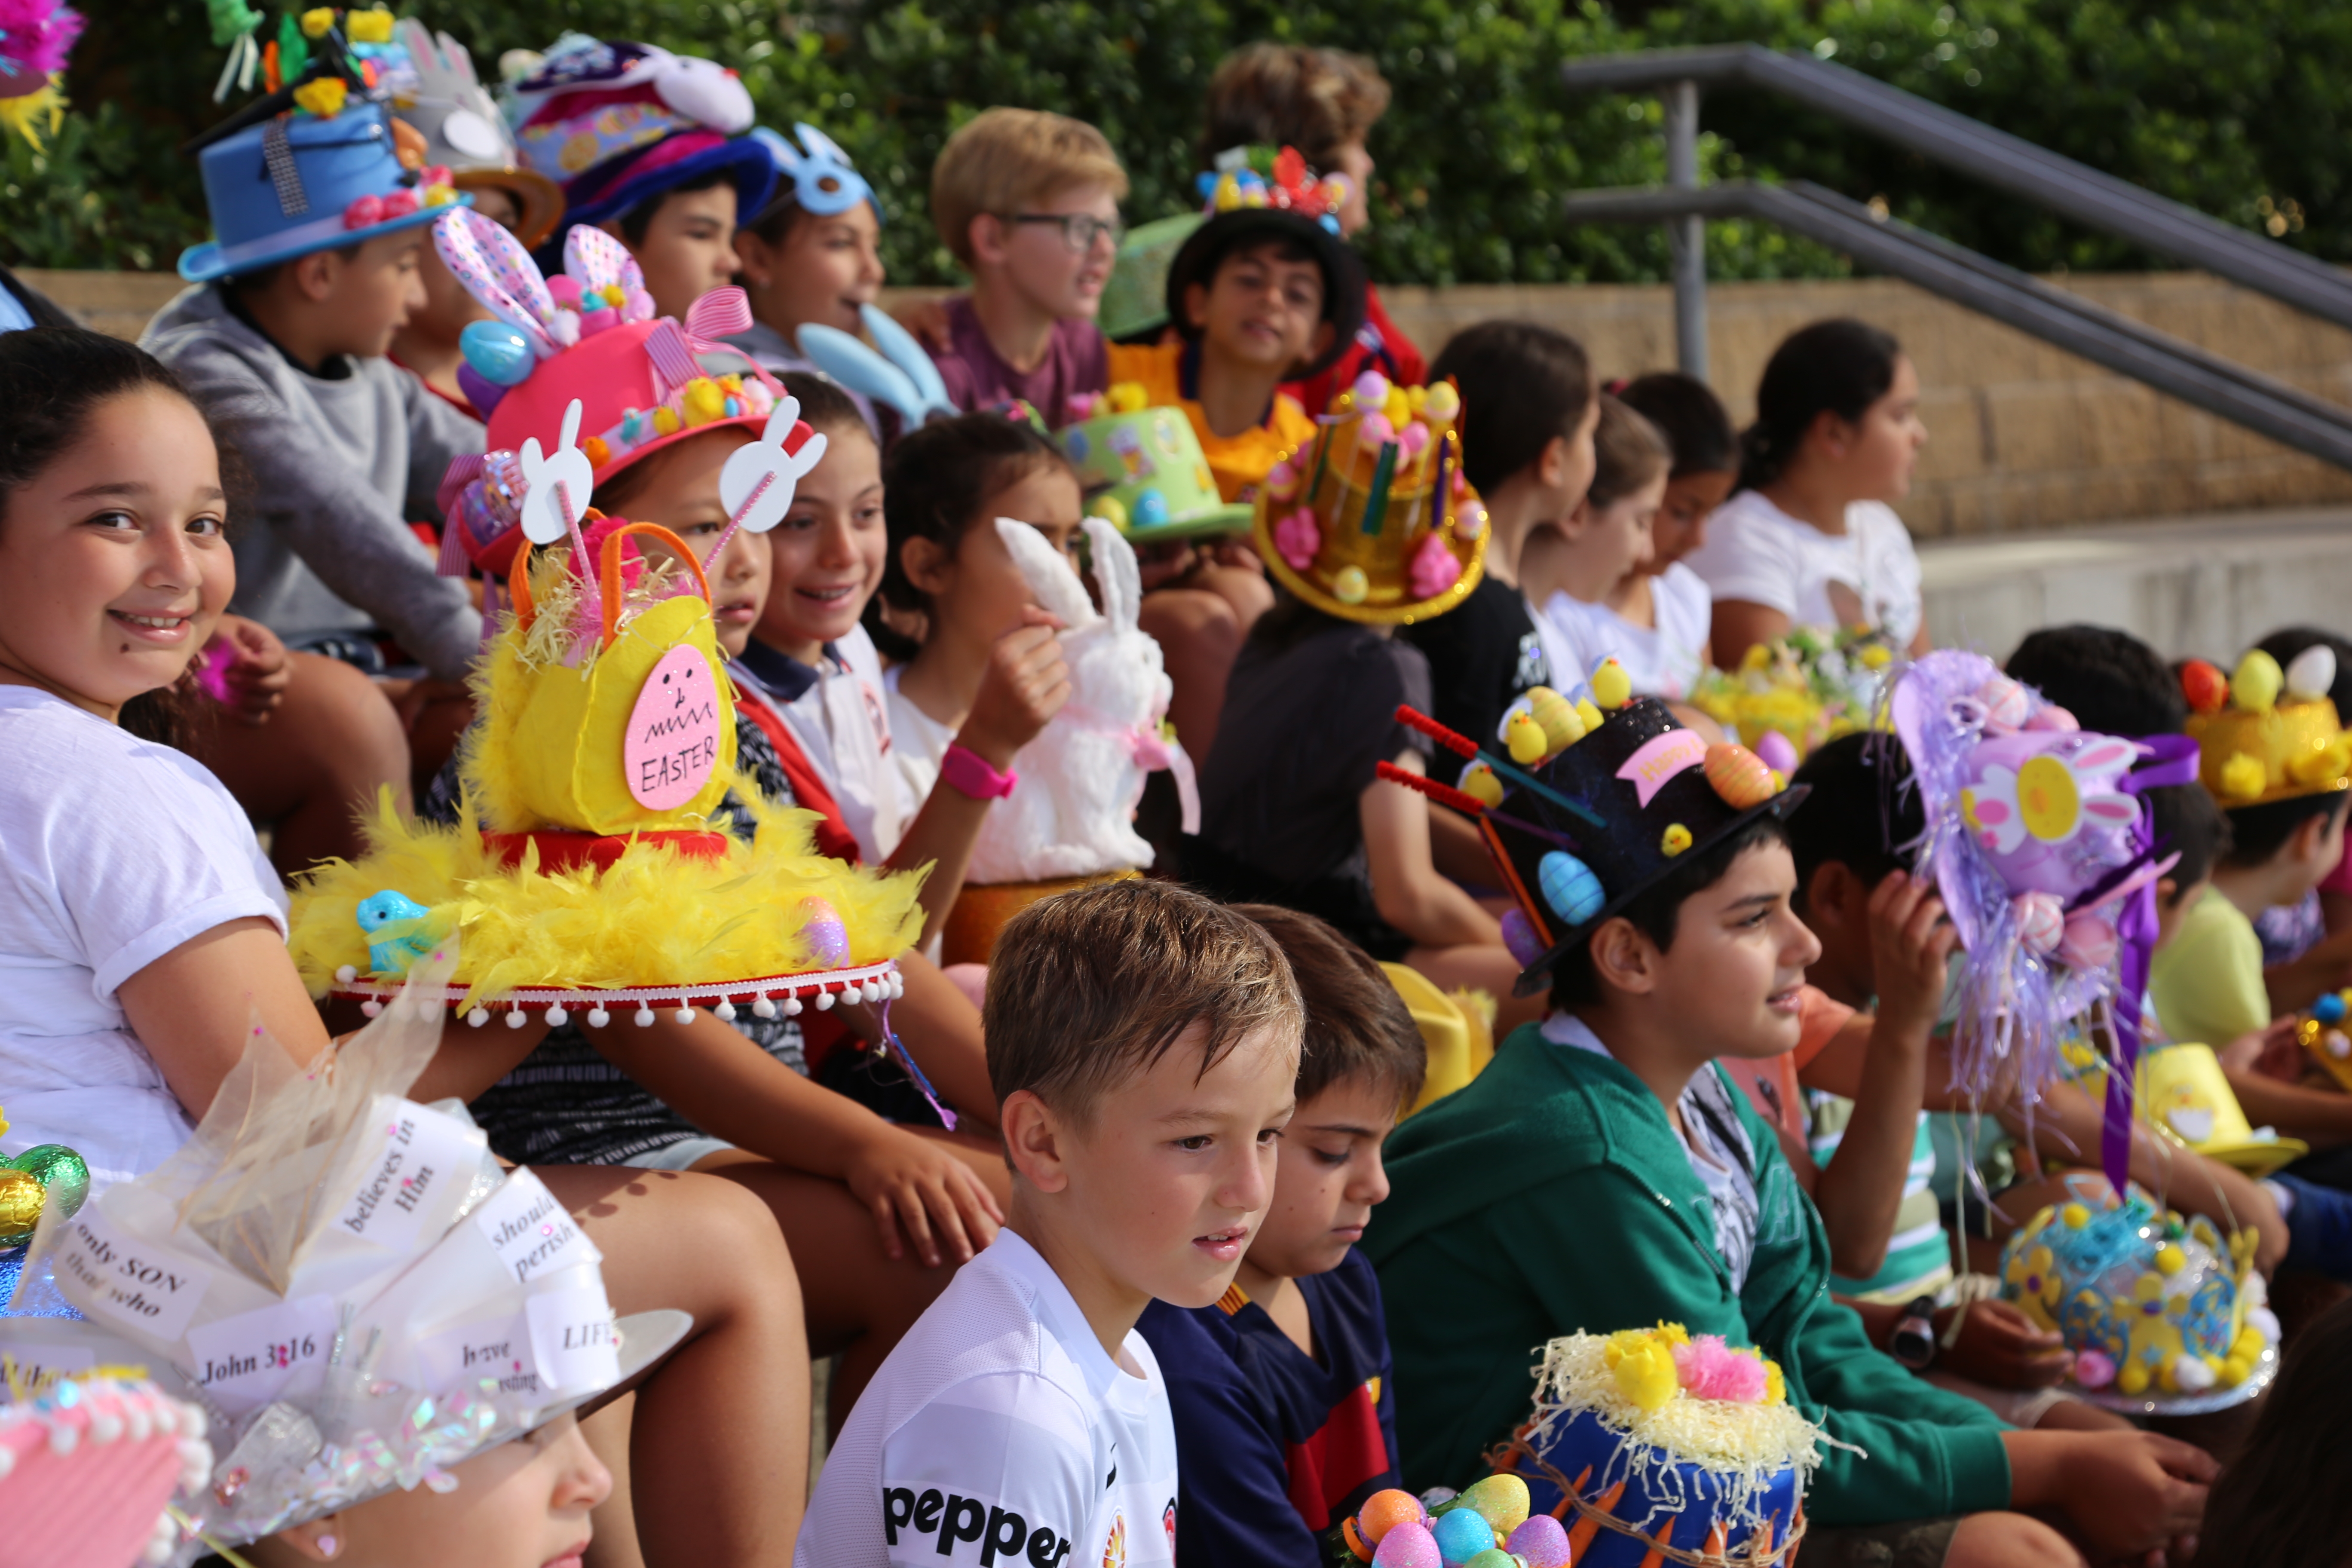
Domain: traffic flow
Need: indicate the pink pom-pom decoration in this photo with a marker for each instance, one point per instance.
(1540, 1542)
(594, 321)
(2040, 921)
(2092, 1369)
(1407, 1546)
(1298, 539)
(1709, 1369)
(1779, 753)
(1413, 439)
(435, 174)
(1434, 569)
(38, 36)
(1376, 430)
(637, 307)
(1371, 389)
(364, 211)
(565, 289)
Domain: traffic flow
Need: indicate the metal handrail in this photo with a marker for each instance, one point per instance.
(2008, 162)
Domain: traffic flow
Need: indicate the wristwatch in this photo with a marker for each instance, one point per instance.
(1913, 1340)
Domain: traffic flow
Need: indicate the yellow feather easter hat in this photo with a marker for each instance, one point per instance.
(2268, 734)
(593, 865)
(1373, 521)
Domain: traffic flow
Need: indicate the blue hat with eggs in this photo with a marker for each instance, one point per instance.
(1588, 804)
(306, 180)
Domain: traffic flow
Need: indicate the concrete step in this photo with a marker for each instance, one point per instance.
(2208, 586)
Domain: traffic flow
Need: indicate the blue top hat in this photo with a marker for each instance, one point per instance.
(299, 182)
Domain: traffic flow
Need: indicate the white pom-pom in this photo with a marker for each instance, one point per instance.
(346, 975)
(7, 1461)
(763, 1008)
(2263, 1322)
(792, 1006)
(137, 1422)
(193, 1423)
(825, 1001)
(644, 1016)
(2191, 1375)
(167, 1417)
(479, 1016)
(517, 1018)
(598, 1018)
(684, 1015)
(2311, 674)
(725, 1011)
(557, 1017)
(63, 1440)
(105, 1427)
(371, 1007)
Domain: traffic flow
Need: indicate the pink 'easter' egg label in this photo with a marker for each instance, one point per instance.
(672, 740)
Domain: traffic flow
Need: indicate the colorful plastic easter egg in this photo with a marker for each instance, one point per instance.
(2204, 686)
(1349, 585)
(1569, 887)
(1461, 1536)
(2329, 1008)
(828, 939)
(1740, 777)
(1149, 510)
(499, 353)
(2050, 717)
(1493, 1557)
(60, 1172)
(1282, 481)
(1557, 716)
(2092, 1369)
(1779, 753)
(2090, 942)
(1525, 738)
(2255, 685)
(1471, 520)
(1519, 936)
(2311, 674)
(1384, 1511)
(1371, 390)
(1111, 509)
(2005, 704)
(1540, 1542)
(1501, 1501)
(1376, 430)
(1612, 687)
(21, 1197)
(2040, 921)
(1442, 404)
(1409, 1545)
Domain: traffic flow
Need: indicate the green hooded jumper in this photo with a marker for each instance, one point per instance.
(1552, 1196)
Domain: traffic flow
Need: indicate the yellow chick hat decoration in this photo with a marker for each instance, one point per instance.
(610, 854)
(2268, 734)
(1373, 521)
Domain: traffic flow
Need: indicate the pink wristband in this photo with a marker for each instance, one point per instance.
(966, 771)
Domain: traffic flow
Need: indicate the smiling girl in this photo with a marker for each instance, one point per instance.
(1811, 537)
(142, 934)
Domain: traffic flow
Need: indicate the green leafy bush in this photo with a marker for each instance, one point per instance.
(2233, 106)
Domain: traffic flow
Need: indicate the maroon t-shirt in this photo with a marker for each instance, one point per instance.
(1075, 362)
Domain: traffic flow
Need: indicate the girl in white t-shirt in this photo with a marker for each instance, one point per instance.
(142, 934)
(1811, 537)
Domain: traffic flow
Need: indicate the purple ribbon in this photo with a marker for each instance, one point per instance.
(2171, 760)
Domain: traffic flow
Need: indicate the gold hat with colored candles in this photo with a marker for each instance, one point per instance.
(2266, 735)
(1373, 521)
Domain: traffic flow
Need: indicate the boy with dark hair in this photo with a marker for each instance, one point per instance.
(1143, 1044)
(1285, 1418)
(1526, 449)
(2112, 683)
(1599, 1173)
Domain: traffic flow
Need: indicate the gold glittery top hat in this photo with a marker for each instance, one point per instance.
(2268, 735)
(1373, 521)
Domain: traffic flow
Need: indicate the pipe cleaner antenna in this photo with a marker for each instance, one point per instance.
(1462, 745)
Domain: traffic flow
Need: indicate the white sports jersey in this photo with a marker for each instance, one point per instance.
(998, 1432)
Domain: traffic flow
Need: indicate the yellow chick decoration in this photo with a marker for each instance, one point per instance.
(1589, 713)
(368, 26)
(1612, 687)
(1645, 1369)
(1525, 738)
(2256, 686)
(2243, 777)
(1478, 783)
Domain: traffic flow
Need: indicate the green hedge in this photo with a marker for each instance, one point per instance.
(2233, 106)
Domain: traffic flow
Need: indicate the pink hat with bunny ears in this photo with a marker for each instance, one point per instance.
(588, 334)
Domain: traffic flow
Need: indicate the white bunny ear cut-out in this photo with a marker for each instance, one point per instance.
(756, 484)
(559, 485)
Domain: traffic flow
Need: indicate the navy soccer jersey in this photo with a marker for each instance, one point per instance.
(1277, 1447)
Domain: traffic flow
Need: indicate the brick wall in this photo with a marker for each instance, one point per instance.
(2023, 437)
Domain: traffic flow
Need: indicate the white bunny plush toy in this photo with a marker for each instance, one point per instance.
(1072, 813)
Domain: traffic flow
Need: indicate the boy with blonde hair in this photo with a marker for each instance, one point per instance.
(1028, 202)
(1142, 1042)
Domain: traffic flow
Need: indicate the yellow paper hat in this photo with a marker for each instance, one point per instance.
(2183, 1090)
(1459, 1034)
(1373, 521)
(2274, 735)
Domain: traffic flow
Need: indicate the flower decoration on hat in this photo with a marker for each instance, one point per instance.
(1262, 176)
(35, 36)
(1374, 521)
(1590, 801)
(2266, 733)
(2040, 847)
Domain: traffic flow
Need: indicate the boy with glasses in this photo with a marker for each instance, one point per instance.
(1028, 202)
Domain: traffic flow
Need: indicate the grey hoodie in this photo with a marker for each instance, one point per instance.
(339, 466)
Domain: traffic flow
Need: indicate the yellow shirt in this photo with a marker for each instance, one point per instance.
(2207, 982)
(1239, 463)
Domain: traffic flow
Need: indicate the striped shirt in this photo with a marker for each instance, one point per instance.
(1919, 1260)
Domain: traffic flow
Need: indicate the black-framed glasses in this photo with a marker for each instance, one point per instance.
(1079, 230)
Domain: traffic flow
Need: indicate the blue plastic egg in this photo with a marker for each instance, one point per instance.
(1462, 1535)
(2329, 1008)
(1569, 887)
(1149, 510)
(497, 353)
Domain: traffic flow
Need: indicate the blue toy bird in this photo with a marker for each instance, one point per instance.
(396, 915)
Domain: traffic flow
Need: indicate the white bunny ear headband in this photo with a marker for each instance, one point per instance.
(355, 1292)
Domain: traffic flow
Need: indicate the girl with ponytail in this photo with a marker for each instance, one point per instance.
(1810, 537)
